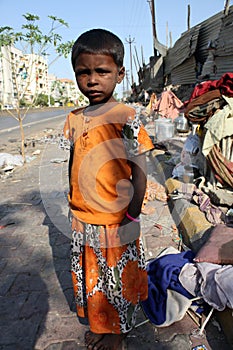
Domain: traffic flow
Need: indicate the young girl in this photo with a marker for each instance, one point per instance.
(107, 186)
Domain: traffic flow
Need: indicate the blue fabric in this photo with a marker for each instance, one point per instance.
(163, 273)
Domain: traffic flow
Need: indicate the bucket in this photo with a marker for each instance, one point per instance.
(164, 129)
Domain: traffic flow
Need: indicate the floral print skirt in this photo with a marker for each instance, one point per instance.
(109, 279)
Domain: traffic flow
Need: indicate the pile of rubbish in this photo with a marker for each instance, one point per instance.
(10, 162)
(210, 109)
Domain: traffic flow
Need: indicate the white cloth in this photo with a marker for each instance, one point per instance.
(176, 307)
(213, 282)
(219, 126)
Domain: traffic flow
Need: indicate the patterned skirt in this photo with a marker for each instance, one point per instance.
(109, 279)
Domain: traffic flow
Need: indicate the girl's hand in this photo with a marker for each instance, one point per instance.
(129, 231)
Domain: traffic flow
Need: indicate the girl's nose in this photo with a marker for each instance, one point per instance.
(92, 78)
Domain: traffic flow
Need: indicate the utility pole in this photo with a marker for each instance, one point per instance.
(226, 7)
(188, 18)
(159, 49)
(123, 82)
(127, 80)
(152, 8)
(143, 61)
(135, 63)
(137, 57)
(170, 36)
(130, 41)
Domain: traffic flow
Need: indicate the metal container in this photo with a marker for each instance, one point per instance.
(181, 123)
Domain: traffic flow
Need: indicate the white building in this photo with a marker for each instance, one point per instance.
(21, 76)
(37, 76)
(70, 90)
(64, 91)
(8, 89)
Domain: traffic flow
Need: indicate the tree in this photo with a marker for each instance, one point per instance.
(43, 100)
(28, 66)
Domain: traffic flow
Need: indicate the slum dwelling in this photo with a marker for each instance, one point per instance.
(204, 52)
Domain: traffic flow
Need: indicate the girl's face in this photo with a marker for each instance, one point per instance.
(97, 76)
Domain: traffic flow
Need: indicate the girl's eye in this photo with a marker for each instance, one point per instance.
(81, 72)
(85, 72)
(102, 71)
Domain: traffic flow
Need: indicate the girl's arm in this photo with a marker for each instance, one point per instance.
(71, 160)
(130, 230)
(139, 179)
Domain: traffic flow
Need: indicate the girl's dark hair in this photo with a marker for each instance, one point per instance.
(99, 41)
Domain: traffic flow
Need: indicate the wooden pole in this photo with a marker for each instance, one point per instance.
(170, 36)
(137, 57)
(226, 7)
(153, 25)
(188, 18)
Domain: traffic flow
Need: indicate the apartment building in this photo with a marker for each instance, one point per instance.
(21, 76)
(64, 91)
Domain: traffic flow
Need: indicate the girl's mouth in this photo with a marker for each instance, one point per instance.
(94, 93)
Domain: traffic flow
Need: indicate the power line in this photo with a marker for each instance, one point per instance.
(130, 41)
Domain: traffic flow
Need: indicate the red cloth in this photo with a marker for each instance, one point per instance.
(224, 84)
(169, 105)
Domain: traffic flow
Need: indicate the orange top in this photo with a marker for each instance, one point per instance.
(103, 144)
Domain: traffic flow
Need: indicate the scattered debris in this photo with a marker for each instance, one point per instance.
(8, 224)
(154, 190)
(7, 159)
(160, 227)
(37, 152)
(58, 160)
(229, 217)
(147, 210)
(174, 228)
(9, 162)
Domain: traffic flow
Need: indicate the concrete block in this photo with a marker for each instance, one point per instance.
(178, 208)
(172, 184)
(192, 223)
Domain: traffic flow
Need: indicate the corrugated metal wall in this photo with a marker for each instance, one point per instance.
(209, 32)
(184, 73)
(183, 49)
(218, 59)
(223, 65)
(207, 47)
(225, 38)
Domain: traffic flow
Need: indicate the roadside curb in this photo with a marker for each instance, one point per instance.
(195, 229)
(191, 222)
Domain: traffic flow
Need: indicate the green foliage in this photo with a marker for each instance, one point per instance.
(43, 100)
(33, 40)
(7, 36)
(52, 101)
(23, 103)
(65, 49)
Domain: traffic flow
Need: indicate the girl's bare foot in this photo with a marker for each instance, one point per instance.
(92, 338)
(109, 342)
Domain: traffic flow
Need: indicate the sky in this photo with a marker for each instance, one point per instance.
(131, 20)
